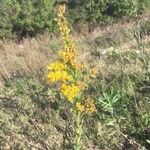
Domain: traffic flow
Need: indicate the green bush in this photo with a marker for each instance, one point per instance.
(30, 17)
(9, 10)
(27, 17)
(104, 10)
(35, 17)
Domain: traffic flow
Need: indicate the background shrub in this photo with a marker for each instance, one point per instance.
(29, 17)
(9, 10)
(103, 10)
(35, 17)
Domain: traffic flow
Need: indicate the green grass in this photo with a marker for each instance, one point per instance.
(148, 5)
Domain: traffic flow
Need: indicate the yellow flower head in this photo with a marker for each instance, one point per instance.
(69, 91)
(80, 107)
(55, 76)
(61, 10)
(86, 106)
(57, 66)
(67, 56)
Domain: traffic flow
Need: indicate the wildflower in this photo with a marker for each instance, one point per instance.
(89, 106)
(70, 91)
(63, 25)
(57, 66)
(86, 106)
(61, 10)
(67, 56)
(74, 77)
(55, 76)
(80, 107)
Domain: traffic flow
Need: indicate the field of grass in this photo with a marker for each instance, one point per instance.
(32, 115)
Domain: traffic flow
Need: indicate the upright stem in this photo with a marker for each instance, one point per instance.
(79, 131)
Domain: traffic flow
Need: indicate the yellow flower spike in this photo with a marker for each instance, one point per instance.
(73, 77)
(67, 56)
(61, 9)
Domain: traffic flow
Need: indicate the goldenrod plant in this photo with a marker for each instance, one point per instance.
(72, 77)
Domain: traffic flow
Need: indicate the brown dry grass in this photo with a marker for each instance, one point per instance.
(25, 57)
(30, 55)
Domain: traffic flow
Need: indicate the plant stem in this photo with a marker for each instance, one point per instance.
(79, 131)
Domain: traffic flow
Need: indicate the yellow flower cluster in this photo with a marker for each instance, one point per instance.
(80, 106)
(64, 28)
(55, 76)
(68, 70)
(57, 66)
(87, 106)
(62, 21)
(70, 91)
(58, 72)
(67, 56)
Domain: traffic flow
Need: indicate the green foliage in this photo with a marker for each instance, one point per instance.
(26, 17)
(104, 10)
(123, 95)
(9, 10)
(34, 17)
(30, 17)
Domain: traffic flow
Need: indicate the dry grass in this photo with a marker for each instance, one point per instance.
(23, 58)
(33, 54)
